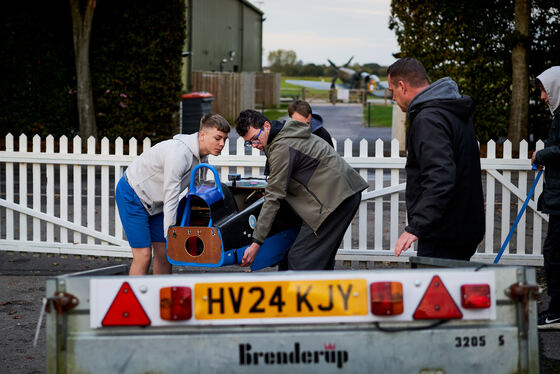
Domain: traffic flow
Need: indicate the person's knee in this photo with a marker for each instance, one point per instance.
(142, 255)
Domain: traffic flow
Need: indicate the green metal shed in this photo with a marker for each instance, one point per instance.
(224, 35)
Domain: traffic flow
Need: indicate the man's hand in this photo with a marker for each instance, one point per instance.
(539, 167)
(405, 241)
(250, 254)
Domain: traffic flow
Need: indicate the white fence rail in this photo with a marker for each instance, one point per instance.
(62, 201)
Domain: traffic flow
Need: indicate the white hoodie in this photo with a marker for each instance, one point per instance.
(160, 174)
(550, 80)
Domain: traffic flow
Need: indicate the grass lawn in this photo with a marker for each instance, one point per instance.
(276, 113)
(291, 90)
(379, 115)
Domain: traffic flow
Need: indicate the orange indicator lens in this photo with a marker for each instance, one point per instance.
(386, 298)
(175, 303)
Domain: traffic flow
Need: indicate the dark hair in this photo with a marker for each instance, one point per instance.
(249, 118)
(216, 121)
(300, 106)
(410, 70)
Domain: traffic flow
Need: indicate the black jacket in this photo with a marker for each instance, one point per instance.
(444, 196)
(549, 157)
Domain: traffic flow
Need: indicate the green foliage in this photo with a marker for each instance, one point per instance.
(36, 64)
(471, 42)
(137, 67)
(281, 58)
(135, 58)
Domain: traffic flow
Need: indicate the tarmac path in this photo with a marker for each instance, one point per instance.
(344, 121)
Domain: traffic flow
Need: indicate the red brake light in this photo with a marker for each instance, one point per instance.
(386, 298)
(175, 303)
(437, 303)
(126, 310)
(475, 296)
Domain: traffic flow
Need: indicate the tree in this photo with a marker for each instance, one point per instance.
(519, 107)
(472, 42)
(281, 59)
(82, 17)
(452, 39)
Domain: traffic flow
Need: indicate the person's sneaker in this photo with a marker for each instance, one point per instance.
(549, 320)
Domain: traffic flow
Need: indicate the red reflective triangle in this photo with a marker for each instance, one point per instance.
(437, 303)
(126, 310)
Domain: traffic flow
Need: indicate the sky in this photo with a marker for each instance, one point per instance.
(335, 29)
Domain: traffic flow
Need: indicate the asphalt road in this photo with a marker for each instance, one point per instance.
(344, 121)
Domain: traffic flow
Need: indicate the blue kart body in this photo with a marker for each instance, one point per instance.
(216, 222)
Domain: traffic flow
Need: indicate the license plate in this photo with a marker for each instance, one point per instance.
(281, 299)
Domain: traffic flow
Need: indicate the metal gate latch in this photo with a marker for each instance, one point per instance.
(62, 302)
(522, 292)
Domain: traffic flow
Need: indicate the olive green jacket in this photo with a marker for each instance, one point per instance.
(308, 174)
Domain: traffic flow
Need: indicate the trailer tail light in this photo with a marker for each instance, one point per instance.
(386, 298)
(437, 303)
(175, 303)
(475, 296)
(126, 310)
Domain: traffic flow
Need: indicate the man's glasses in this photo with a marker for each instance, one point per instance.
(249, 143)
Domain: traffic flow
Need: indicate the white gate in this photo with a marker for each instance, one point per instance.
(62, 201)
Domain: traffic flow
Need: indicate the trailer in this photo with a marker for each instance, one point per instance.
(439, 316)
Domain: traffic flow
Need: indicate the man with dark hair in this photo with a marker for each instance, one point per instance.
(444, 200)
(549, 200)
(147, 195)
(300, 110)
(313, 179)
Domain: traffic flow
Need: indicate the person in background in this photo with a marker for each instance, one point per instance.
(300, 110)
(549, 200)
(313, 179)
(444, 200)
(148, 193)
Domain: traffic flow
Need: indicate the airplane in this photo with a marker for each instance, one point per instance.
(351, 79)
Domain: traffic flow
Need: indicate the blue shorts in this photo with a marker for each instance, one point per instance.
(141, 229)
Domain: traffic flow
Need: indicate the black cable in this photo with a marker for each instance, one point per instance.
(414, 328)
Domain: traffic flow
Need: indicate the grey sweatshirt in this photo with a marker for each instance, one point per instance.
(160, 174)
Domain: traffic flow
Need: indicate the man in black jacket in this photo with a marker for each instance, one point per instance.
(444, 198)
(549, 200)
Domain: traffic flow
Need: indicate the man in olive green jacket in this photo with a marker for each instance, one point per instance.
(313, 179)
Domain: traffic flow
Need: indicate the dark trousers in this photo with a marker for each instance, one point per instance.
(551, 254)
(455, 251)
(317, 250)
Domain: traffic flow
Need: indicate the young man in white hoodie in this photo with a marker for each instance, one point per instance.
(148, 193)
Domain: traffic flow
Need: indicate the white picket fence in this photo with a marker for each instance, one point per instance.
(56, 201)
